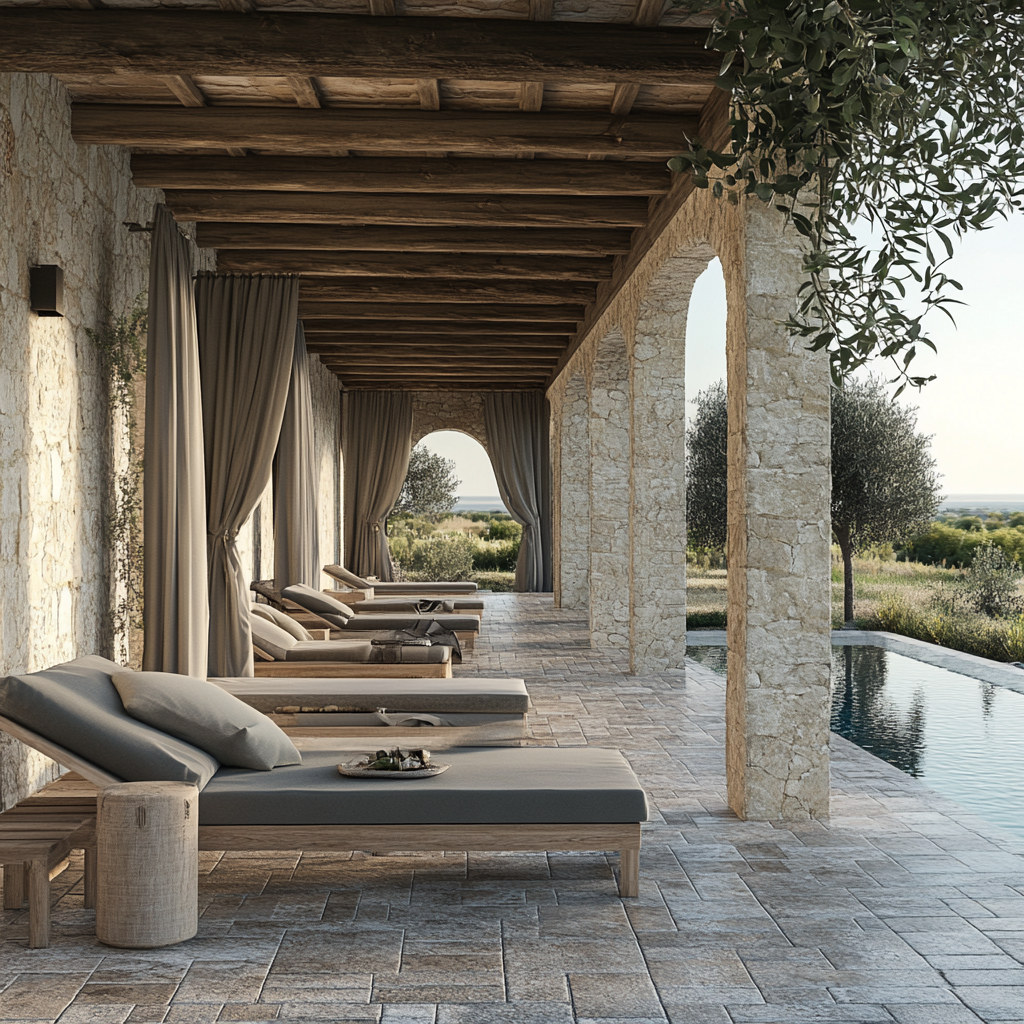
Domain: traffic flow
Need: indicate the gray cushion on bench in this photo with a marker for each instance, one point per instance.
(77, 706)
(485, 785)
(434, 696)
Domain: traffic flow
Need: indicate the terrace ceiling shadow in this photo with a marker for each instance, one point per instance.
(463, 197)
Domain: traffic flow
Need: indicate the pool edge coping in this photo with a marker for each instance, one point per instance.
(972, 665)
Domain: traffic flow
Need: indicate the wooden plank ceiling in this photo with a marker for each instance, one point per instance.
(463, 187)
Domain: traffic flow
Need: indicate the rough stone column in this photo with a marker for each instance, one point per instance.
(658, 606)
(610, 458)
(777, 712)
(574, 490)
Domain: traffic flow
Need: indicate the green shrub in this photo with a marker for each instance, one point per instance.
(972, 524)
(504, 529)
(705, 620)
(972, 634)
(942, 545)
(1017, 519)
(1015, 640)
(445, 556)
(497, 581)
(989, 586)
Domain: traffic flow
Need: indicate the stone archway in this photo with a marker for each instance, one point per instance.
(657, 617)
(448, 410)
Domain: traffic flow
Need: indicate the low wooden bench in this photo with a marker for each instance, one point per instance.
(36, 837)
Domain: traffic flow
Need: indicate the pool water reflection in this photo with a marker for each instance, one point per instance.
(961, 736)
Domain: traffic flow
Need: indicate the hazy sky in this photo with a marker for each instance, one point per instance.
(974, 409)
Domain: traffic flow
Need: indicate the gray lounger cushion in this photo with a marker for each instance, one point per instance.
(270, 637)
(77, 706)
(281, 645)
(433, 696)
(202, 714)
(362, 652)
(335, 612)
(342, 575)
(489, 785)
(280, 619)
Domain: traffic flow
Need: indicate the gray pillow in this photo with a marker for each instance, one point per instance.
(271, 638)
(202, 713)
(339, 572)
(282, 619)
(335, 612)
(77, 706)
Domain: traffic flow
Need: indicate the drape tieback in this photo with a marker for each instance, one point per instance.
(225, 536)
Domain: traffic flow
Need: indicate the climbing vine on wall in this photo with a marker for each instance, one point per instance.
(121, 343)
(884, 129)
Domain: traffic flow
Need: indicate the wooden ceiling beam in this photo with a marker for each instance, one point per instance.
(185, 89)
(305, 91)
(457, 312)
(408, 210)
(384, 289)
(455, 367)
(430, 375)
(480, 350)
(500, 344)
(409, 331)
(503, 384)
(341, 238)
(572, 134)
(383, 174)
(413, 265)
(199, 42)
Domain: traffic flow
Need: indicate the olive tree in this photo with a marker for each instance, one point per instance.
(884, 484)
(706, 465)
(430, 485)
(904, 118)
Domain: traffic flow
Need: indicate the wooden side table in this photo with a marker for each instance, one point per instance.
(147, 839)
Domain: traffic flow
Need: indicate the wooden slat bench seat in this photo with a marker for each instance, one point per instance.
(36, 837)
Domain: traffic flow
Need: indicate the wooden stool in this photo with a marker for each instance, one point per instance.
(34, 848)
(147, 836)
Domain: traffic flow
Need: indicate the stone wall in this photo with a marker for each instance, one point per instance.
(63, 204)
(448, 410)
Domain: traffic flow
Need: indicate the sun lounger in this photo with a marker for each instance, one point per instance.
(579, 798)
(410, 605)
(342, 617)
(283, 647)
(350, 579)
(464, 712)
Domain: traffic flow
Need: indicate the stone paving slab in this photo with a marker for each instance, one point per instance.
(904, 909)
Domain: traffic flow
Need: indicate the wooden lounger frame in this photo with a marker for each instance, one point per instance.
(624, 837)
(381, 838)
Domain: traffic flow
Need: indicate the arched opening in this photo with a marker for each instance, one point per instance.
(449, 521)
(707, 442)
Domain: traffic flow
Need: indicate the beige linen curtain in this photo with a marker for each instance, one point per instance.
(376, 444)
(246, 346)
(296, 526)
(518, 424)
(175, 614)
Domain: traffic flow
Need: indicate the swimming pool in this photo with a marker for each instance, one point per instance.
(961, 736)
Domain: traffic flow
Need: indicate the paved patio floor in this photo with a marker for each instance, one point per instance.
(905, 908)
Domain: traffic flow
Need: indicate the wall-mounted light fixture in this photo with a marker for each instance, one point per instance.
(46, 290)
